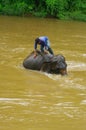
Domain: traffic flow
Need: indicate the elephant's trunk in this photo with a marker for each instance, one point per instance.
(63, 72)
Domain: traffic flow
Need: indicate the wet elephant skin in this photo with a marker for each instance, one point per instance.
(46, 63)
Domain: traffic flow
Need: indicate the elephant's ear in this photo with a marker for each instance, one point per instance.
(53, 65)
(45, 67)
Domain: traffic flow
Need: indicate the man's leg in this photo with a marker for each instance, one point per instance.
(51, 51)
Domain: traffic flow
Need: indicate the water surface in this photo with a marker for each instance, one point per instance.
(31, 100)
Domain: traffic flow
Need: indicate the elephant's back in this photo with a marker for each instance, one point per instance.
(33, 63)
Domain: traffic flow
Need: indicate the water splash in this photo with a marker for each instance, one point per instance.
(75, 66)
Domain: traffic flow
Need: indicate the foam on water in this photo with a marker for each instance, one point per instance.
(75, 66)
(18, 101)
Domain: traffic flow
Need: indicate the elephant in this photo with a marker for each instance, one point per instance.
(54, 64)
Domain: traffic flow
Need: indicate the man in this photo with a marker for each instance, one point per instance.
(44, 45)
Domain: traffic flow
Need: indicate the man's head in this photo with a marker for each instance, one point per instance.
(37, 41)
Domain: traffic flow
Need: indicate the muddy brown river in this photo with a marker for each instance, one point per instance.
(32, 100)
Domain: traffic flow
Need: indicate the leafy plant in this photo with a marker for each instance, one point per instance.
(61, 9)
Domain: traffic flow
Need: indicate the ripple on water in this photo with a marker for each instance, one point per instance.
(84, 55)
(67, 81)
(23, 102)
(83, 102)
(18, 50)
(75, 66)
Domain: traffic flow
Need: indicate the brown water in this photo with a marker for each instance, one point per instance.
(31, 100)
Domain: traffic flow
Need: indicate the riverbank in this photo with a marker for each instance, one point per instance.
(74, 16)
(62, 10)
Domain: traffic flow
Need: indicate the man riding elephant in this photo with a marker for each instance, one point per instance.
(44, 43)
(44, 61)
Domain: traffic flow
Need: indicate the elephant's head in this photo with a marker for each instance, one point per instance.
(59, 65)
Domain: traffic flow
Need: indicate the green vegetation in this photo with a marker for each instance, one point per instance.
(61, 9)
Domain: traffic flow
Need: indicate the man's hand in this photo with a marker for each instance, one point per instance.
(35, 54)
(46, 52)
